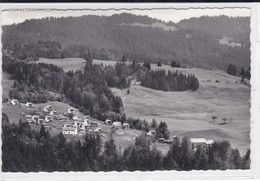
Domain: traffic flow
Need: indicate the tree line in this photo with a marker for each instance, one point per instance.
(27, 150)
(244, 72)
(170, 81)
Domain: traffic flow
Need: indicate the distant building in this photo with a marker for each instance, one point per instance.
(48, 118)
(200, 142)
(14, 102)
(97, 130)
(151, 133)
(54, 113)
(126, 126)
(70, 131)
(117, 124)
(108, 121)
(29, 105)
(76, 124)
(71, 111)
(47, 108)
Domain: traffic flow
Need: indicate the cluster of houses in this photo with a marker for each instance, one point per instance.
(73, 124)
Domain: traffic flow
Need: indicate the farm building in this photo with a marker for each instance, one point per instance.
(151, 133)
(29, 105)
(117, 124)
(71, 111)
(87, 118)
(14, 102)
(76, 124)
(108, 121)
(70, 130)
(32, 118)
(48, 118)
(202, 142)
(126, 126)
(54, 113)
(75, 118)
(47, 108)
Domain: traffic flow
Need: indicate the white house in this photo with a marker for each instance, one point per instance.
(66, 125)
(151, 133)
(126, 126)
(76, 124)
(70, 130)
(29, 105)
(97, 130)
(47, 108)
(54, 113)
(117, 124)
(14, 102)
(48, 118)
(75, 118)
(108, 121)
(87, 118)
(32, 118)
(71, 110)
(202, 142)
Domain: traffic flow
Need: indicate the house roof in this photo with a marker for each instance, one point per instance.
(198, 140)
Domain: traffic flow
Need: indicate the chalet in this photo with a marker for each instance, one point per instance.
(32, 118)
(70, 131)
(97, 130)
(126, 126)
(54, 113)
(76, 124)
(108, 121)
(29, 105)
(200, 142)
(14, 102)
(48, 118)
(117, 124)
(151, 133)
(47, 108)
(87, 118)
(75, 118)
(71, 111)
(41, 122)
(66, 125)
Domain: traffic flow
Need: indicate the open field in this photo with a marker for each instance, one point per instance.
(67, 63)
(190, 113)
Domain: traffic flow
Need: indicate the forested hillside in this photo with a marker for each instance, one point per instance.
(193, 43)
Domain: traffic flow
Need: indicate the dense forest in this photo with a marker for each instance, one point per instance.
(111, 37)
(170, 81)
(26, 150)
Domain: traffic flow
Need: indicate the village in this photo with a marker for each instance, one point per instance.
(72, 123)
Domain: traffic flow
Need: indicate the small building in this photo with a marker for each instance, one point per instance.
(54, 113)
(117, 124)
(76, 124)
(47, 108)
(48, 118)
(200, 142)
(151, 133)
(108, 121)
(29, 105)
(66, 125)
(87, 118)
(97, 130)
(71, 110)
(126, 126)
(32, 118)
(14, 102)
(70, 131)
(75, 118)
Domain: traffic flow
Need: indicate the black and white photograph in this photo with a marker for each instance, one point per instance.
(126, 89)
